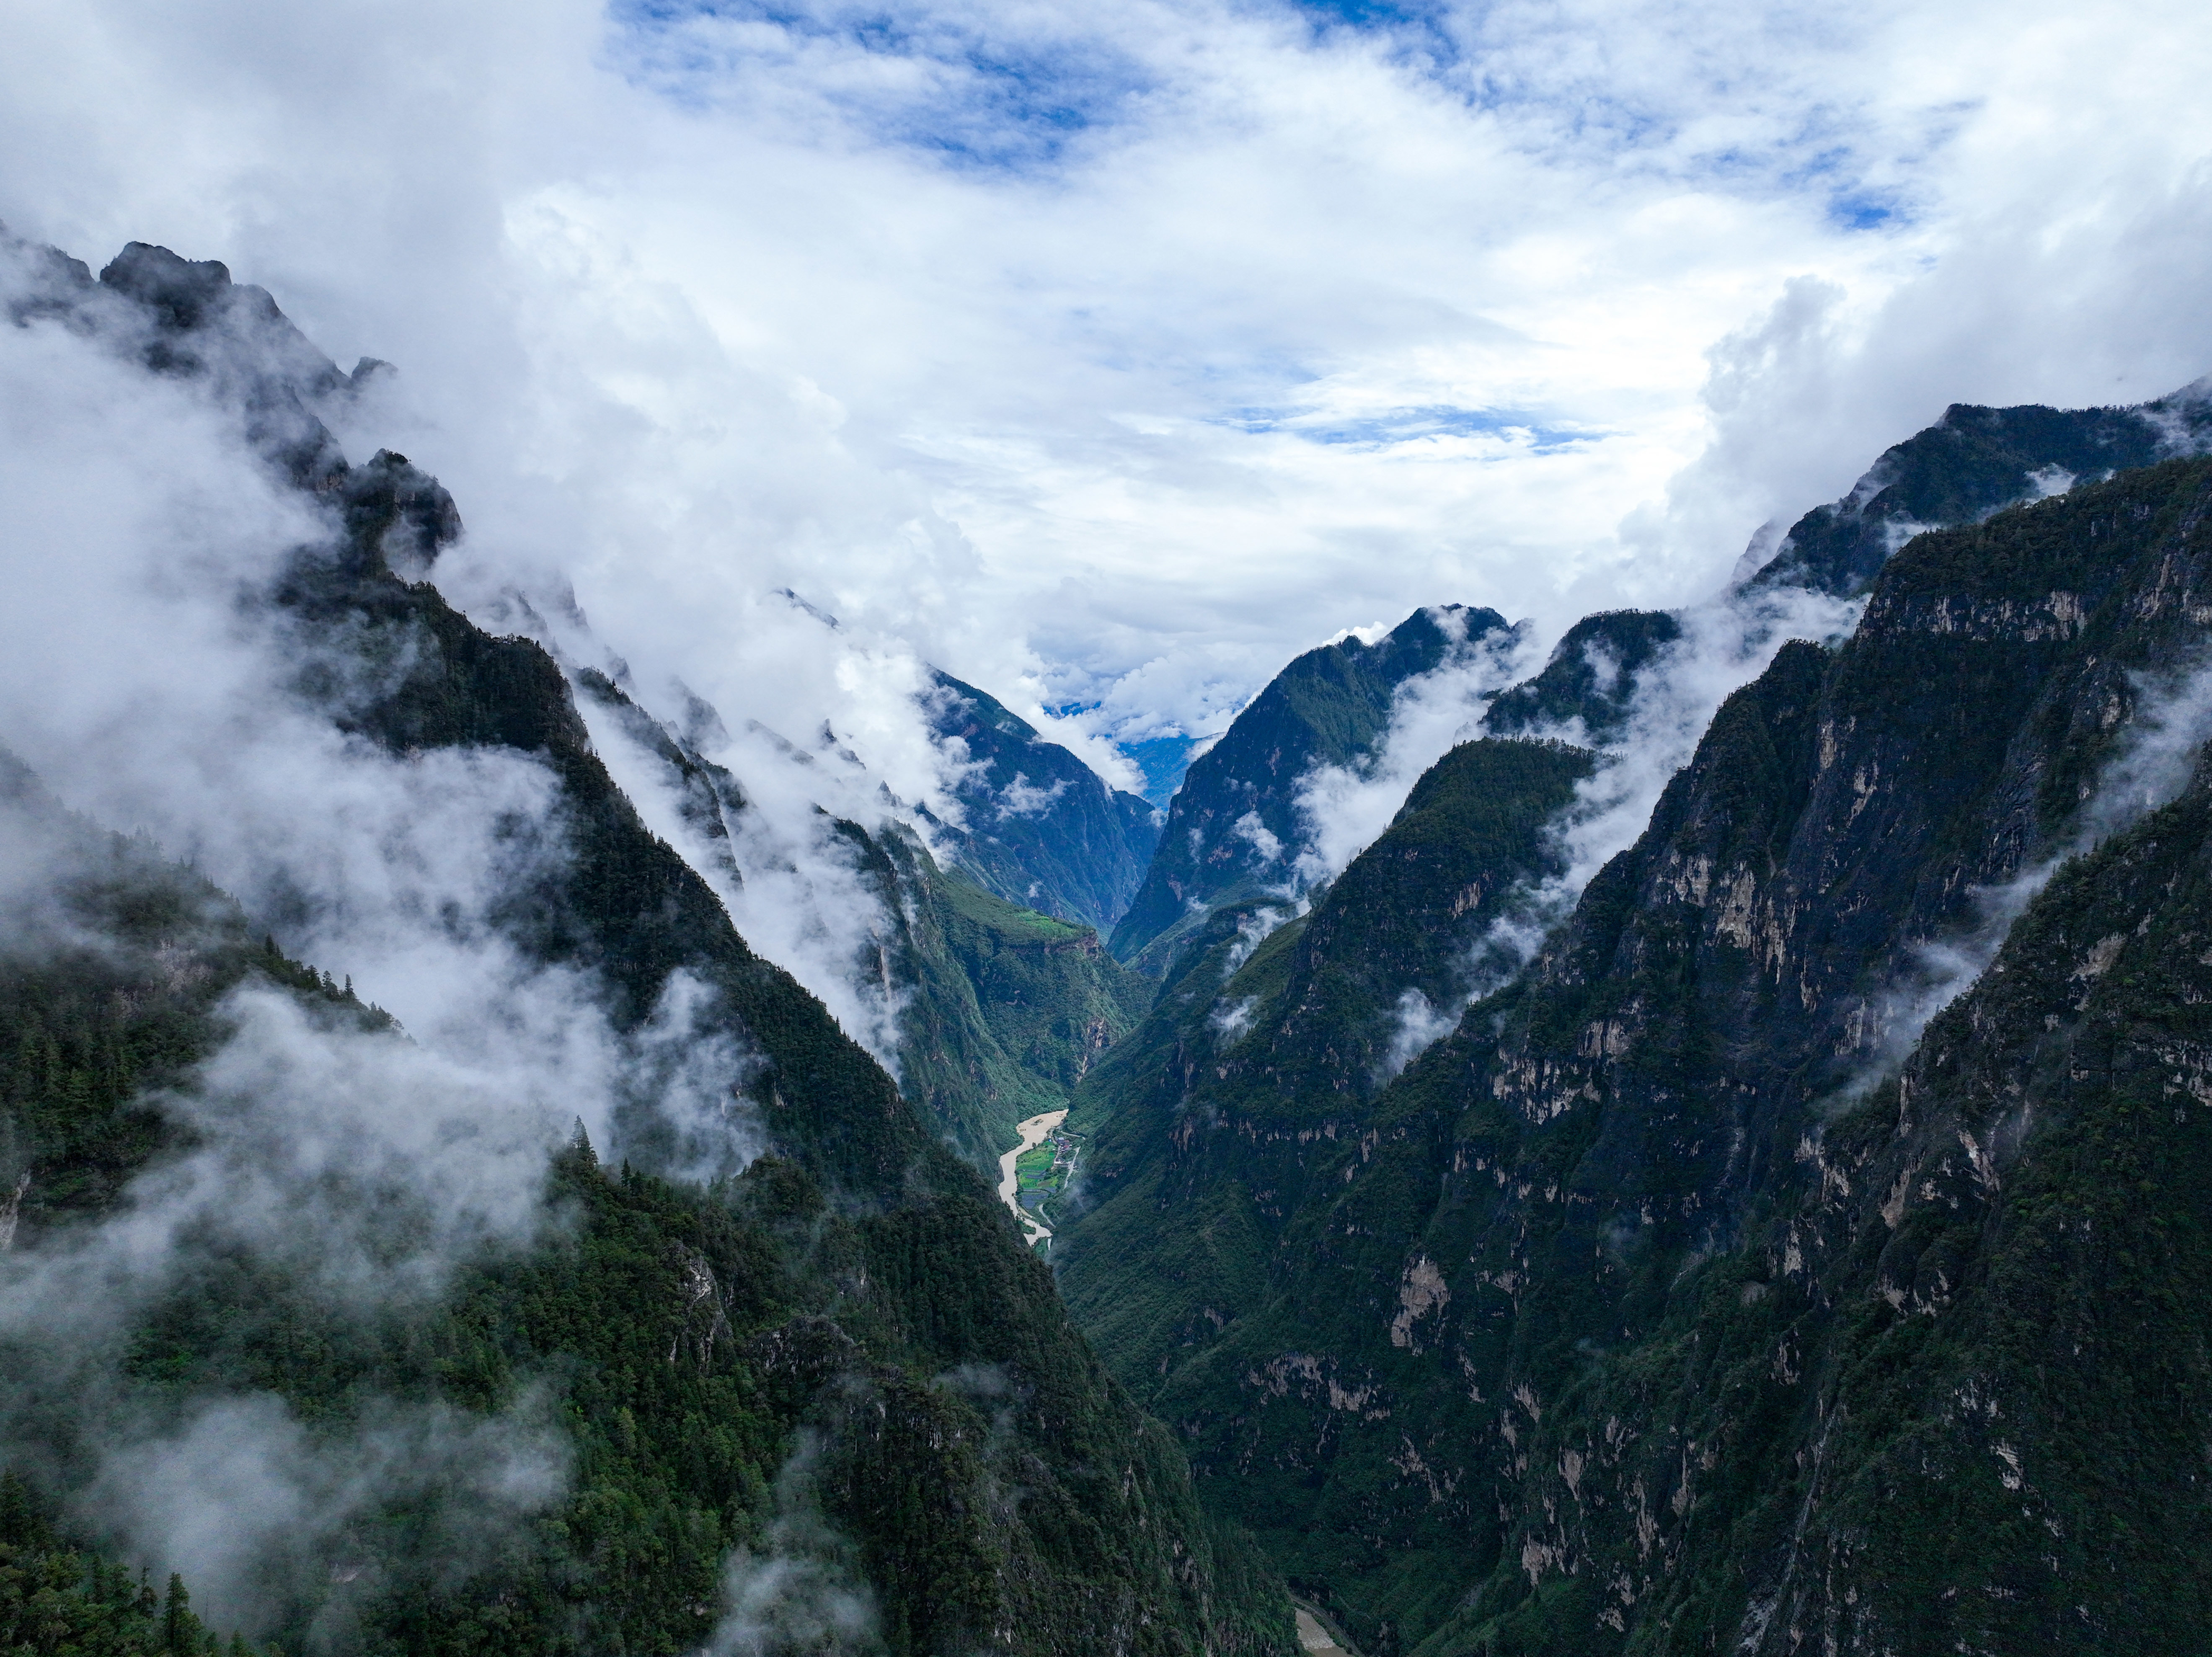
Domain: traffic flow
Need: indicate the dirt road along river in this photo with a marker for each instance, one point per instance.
(1033, 1131)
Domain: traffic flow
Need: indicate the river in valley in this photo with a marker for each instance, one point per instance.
(1033, 1132)
(1315, 1639)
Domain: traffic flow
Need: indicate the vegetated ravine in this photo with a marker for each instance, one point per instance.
(1719, 1164)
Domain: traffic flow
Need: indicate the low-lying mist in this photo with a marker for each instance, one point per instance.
(150, 681)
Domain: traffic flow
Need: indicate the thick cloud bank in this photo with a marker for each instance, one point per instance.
(1107, 359)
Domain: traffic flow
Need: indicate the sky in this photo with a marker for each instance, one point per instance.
(1107, 357)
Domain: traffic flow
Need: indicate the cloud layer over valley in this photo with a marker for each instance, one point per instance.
(781, 362)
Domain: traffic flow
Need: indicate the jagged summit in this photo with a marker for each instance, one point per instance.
(188, 319)
(183, 294)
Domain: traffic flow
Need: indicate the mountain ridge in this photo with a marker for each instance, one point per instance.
(1236, 809)
(1430, 1320)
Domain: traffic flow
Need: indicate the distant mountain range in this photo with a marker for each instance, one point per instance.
(1232, 827)
(1042, 829)
(1695, 1142)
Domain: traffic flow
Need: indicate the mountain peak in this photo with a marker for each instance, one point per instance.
(182, 292)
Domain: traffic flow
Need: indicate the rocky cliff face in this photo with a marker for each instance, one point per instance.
(1560, 1339)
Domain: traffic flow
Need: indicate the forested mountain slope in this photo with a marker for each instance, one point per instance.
(1283, 1039)
(1233, 829)
(1150, 1286)
(1002, 1009)
(1011, 1008)
(1639, 1314)
(1970, 463)
(831, 1396)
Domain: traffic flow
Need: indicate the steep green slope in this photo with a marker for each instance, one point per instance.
(1230, 823)
(855, 1310)
(1616, 1330)
(1259, 1049)
(1003, 1008)
(2018, 1352)
(1009, 1009)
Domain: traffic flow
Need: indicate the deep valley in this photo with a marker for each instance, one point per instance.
(1718, 1161)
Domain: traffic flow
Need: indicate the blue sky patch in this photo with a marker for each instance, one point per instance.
(985, 99)
(1371, 13)
(1856, 211)
(1408, 425)
(1162, 759)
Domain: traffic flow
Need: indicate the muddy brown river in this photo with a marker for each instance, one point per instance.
(1033, 1131)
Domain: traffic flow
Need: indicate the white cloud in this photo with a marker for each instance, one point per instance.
(1254, 929)
(1420, 1024)
(1724, 645)
(243, 1497)
(1258, 836)
(1023, 798)
(791, 883)
(1230, 1019)
(1110, 357)
(1344, 809)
